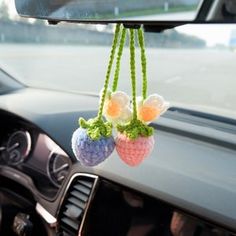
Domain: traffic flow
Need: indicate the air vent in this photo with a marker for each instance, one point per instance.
(75, 204)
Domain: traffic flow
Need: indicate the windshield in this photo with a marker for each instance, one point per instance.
(192, 66)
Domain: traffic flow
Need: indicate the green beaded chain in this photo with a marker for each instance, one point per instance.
(96, 127)
(132, 72)
(118, 59)
(143, 62)
(112, 55)
(135, 128)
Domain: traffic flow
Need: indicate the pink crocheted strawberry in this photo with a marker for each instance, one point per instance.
(133, 152)
(135, 140)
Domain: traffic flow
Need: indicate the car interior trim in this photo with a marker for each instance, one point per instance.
(51, 220)
(208, 134)
(68, 184)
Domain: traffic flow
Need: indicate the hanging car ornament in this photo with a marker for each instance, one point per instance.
(135, 139)
(93, 142)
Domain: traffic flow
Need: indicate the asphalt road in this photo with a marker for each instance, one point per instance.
(200, 79)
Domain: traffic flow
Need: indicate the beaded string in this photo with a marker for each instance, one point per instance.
(132, 71)
(143, 62)
(118, 59)
(96, 127)
(106, 83)
(136, 128)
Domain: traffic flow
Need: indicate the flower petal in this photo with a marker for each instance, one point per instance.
(151, 108)
(154, 100)
(165, 107)
(121, 97)
(148, 113)
(139, 101)
(112, 109)
(126, 115)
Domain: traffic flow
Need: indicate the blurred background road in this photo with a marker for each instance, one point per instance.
(199, 78)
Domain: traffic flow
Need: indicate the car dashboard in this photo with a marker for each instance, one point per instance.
(186, 186)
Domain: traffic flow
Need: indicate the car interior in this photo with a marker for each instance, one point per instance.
(186, 187)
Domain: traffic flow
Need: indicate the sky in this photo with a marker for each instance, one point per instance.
(212, 34)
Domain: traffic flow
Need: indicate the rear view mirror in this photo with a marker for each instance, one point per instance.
(129, 11)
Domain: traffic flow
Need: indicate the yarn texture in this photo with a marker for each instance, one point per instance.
(133, 152)
(91, 152)
(135, 140)
(93, 142)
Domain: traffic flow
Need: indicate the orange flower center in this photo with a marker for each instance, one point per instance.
(148, 113)
(113, 108)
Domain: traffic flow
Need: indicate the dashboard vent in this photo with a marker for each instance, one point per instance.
(75, 204)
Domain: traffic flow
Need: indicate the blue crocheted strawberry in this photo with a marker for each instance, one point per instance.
(91, 152)
(93, 142)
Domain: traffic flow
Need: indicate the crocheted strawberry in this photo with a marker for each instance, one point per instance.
(91, 152)
(135, 140)
(133, 152)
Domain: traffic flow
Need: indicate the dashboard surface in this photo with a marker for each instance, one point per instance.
(194, 175)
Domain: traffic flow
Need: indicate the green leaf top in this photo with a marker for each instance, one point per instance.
(135, 129)
(96, 128)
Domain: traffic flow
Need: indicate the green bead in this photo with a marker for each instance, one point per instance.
(111, 59)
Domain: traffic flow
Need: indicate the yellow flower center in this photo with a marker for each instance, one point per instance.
(113, 108)
(148, 113)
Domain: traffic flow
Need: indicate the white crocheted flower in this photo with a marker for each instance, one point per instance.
(151, 108)
(117, 107)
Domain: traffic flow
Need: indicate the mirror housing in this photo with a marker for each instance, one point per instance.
(82, 11)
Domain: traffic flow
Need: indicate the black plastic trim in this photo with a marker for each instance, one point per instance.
(200, 137)
(204, 10)
(203, 115)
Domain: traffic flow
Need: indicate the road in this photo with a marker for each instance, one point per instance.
(200, 79)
